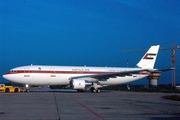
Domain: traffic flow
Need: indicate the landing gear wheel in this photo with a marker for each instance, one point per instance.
(27, 90)
(93, 90)
(98, 91)
(7, 90)
(16, 90)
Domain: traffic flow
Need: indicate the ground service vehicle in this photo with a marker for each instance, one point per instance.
(4, 88)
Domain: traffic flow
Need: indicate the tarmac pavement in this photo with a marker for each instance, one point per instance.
(70, 105)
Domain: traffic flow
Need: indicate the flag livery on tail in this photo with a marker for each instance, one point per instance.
(149, 56)
(149, 59)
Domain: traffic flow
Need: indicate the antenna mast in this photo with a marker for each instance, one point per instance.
(173, 59)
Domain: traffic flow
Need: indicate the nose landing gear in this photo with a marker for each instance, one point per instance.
(26, 88)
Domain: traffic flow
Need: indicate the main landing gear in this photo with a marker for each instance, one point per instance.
(93, 90)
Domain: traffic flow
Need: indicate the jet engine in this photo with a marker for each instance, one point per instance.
(78, 84)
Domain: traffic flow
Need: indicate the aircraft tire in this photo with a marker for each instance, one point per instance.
(98, 91)
(7, 90)
(16, 90)
(94, 91)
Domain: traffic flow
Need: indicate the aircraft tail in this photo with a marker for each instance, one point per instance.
(149, 59)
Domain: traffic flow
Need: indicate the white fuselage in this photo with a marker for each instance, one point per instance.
(60, 75)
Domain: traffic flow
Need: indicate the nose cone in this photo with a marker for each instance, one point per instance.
(4, 76)
(11, 77)
(8, 77)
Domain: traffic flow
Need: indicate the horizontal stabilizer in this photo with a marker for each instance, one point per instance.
(162, 70)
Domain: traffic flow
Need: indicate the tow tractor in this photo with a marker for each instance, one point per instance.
(8, 88)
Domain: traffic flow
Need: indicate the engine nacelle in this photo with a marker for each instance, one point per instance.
(78, 84)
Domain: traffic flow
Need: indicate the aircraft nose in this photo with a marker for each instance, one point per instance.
(5, 76)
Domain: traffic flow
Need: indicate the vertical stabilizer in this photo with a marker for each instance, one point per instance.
(149, 59)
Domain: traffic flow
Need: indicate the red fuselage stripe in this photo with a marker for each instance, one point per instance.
(60, 72)
(54, 72)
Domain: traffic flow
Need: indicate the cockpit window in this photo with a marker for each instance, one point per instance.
(13, 71)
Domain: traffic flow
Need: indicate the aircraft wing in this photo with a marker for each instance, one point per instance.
(105, 76)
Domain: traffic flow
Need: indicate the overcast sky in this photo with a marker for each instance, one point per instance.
(87, 32)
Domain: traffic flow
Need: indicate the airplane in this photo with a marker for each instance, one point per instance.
(83, 78)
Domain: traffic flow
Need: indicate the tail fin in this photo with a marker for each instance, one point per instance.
(149, 59)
